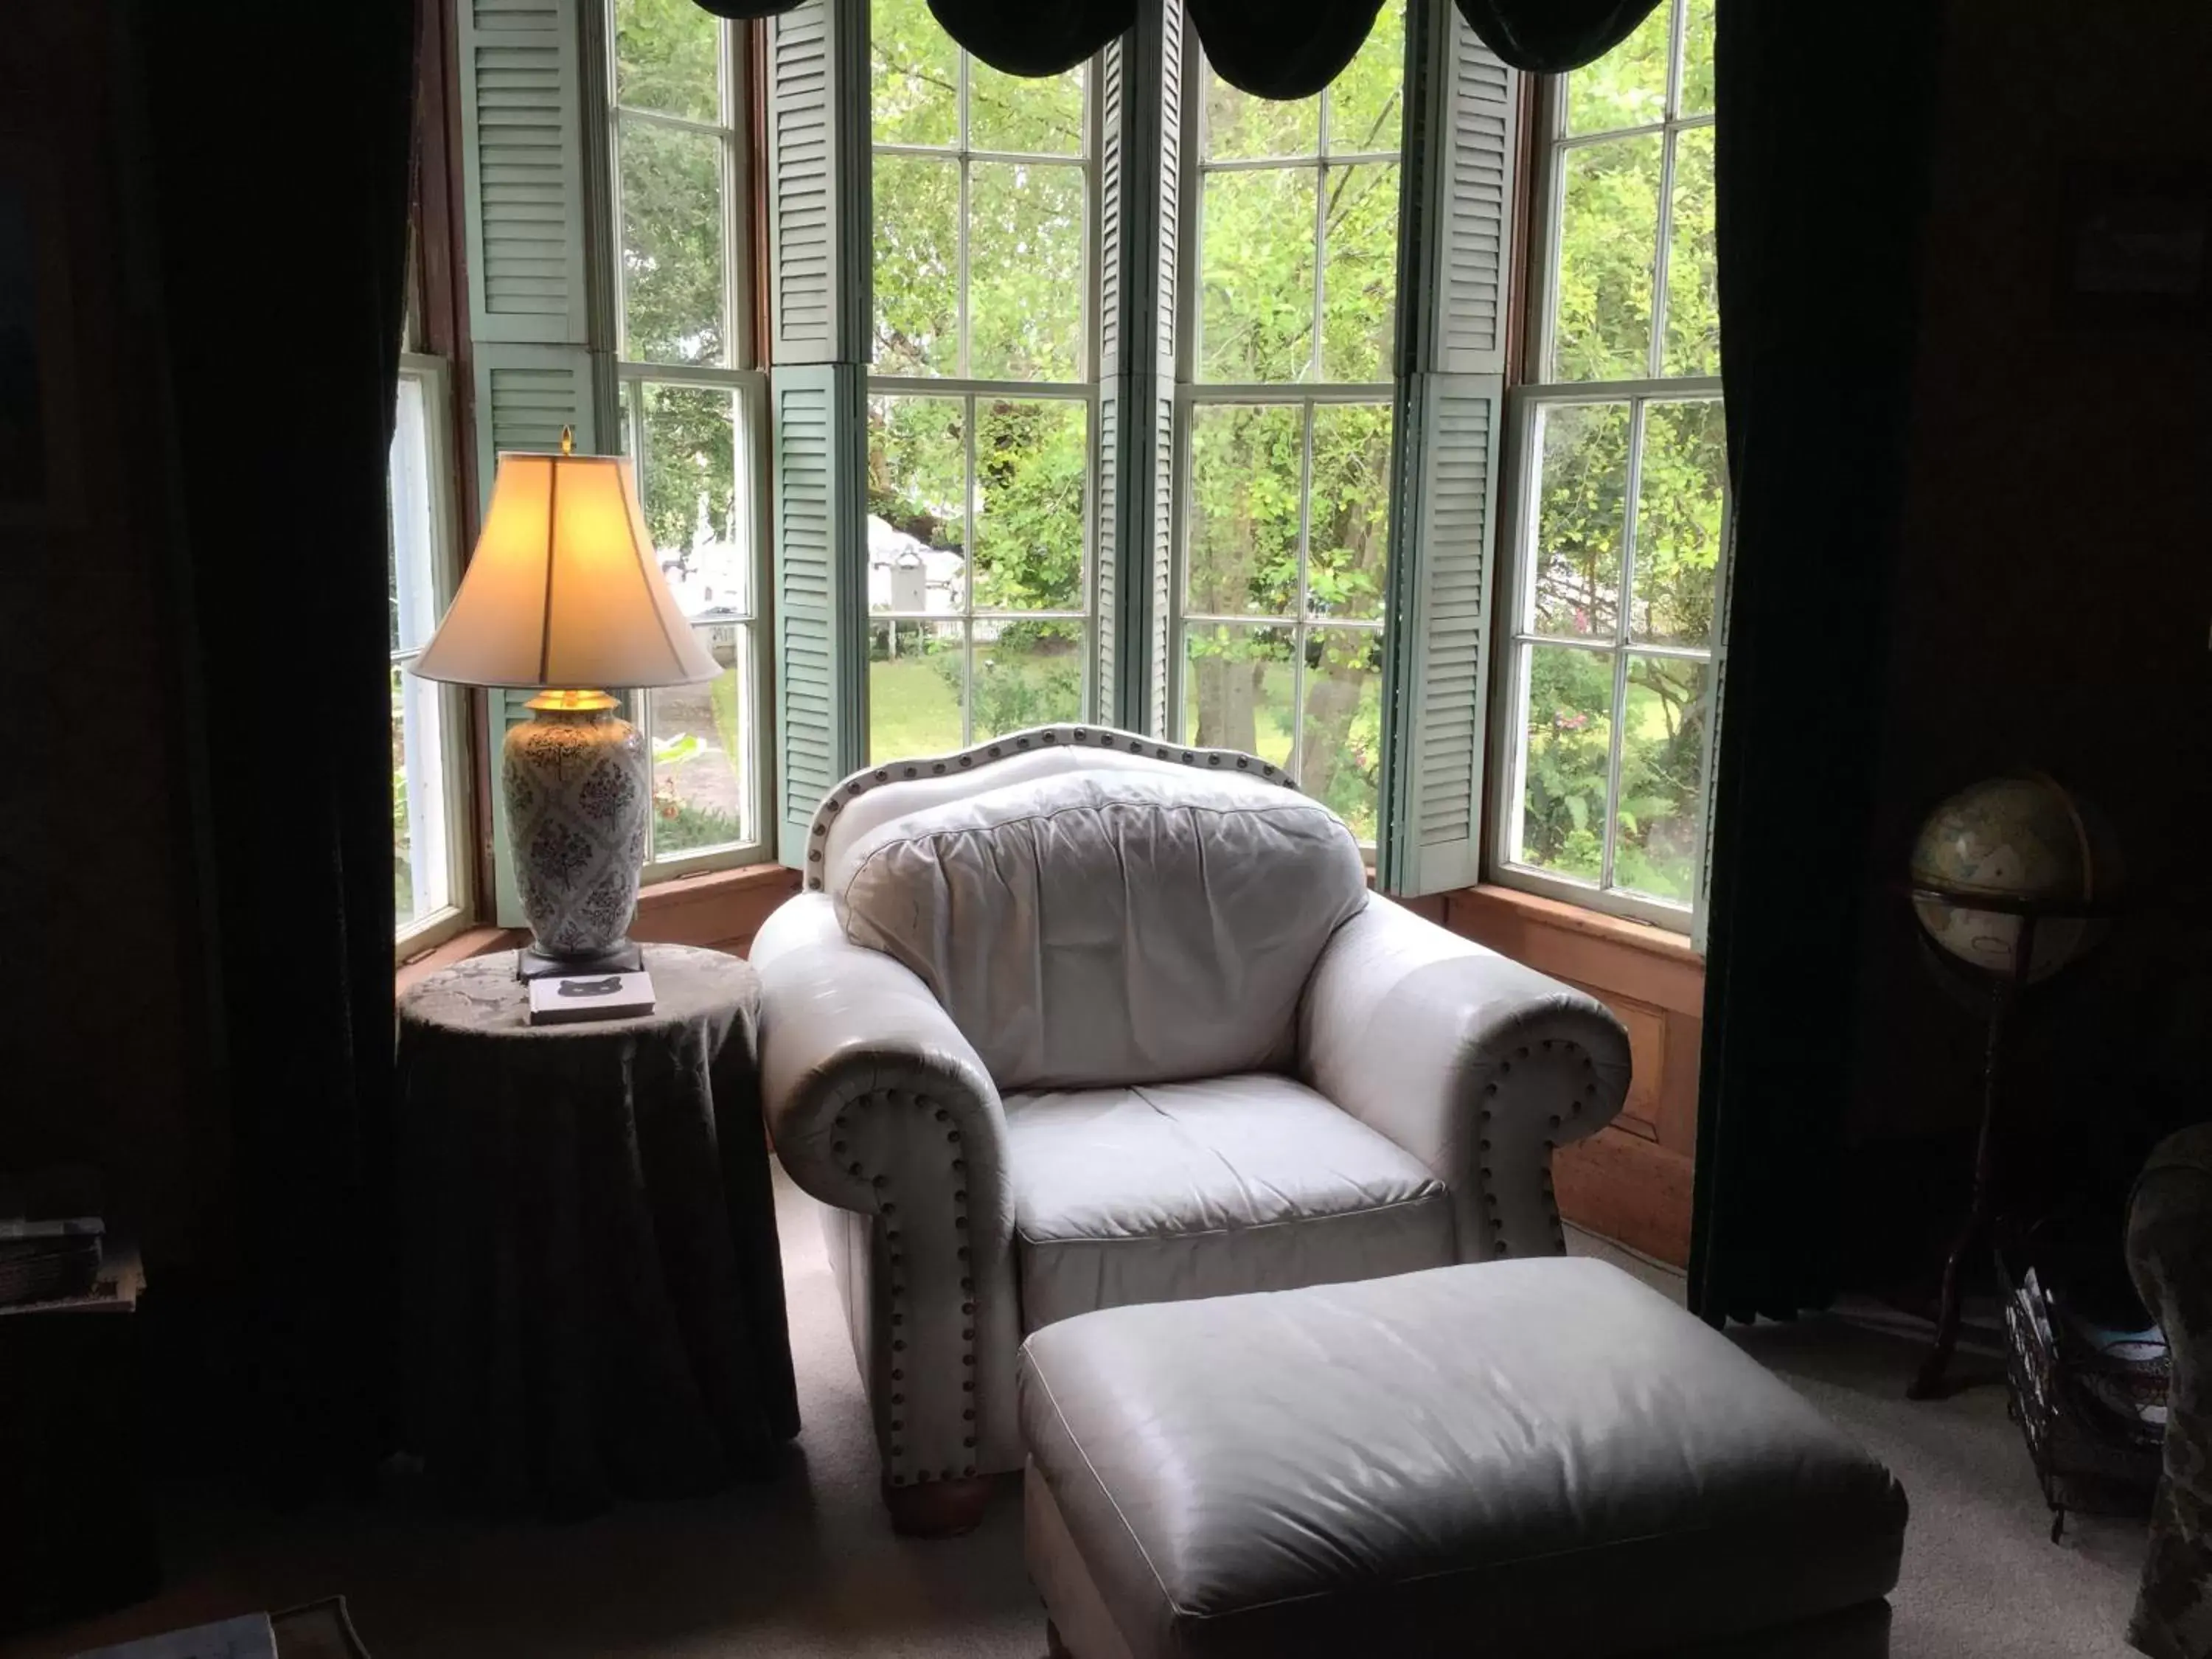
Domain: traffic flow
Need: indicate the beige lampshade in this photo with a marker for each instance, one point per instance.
(563, 589)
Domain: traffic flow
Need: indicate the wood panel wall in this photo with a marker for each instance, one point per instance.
(1631, 1180)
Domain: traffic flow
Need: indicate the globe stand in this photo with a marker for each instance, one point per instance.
(1931, 1382)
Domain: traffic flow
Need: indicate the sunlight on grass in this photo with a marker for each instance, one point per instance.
(912, 709)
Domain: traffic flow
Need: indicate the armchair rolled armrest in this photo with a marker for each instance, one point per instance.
(879, 1106)
(1474, 1064)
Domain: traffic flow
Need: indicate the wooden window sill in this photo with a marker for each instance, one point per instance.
(1526, 907)
(469, 942)
(707, 886)
(721, 909)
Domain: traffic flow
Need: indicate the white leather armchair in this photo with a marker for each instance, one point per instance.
(1075, 1019)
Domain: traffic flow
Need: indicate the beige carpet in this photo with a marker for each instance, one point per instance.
(806, 1568)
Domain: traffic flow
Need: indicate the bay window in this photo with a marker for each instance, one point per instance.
(1621, 489)
(1123, 395)
(981, 405)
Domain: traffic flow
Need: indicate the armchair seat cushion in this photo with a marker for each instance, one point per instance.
(1162, 1192)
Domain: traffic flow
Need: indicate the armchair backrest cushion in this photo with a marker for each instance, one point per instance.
(1109, 926)
(890, 795)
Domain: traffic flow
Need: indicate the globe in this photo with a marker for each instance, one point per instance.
(2025, 838)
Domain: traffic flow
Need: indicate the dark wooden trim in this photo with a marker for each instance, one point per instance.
(440, 305)
(1529, 148)
(755, 72)
(443, 240)
(441, 287)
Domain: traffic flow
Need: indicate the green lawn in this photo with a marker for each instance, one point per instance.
(912, 709)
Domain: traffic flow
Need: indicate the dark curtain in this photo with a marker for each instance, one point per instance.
(1550, 37)
(1034, 40)
(1280, 49)
(1819, 227)
(279, 248)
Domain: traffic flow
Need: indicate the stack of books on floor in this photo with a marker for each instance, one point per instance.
(52, 1236)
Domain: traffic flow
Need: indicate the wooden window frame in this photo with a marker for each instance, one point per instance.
(740, 374)
(1528, 398)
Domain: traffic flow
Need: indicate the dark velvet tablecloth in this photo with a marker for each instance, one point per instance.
(594, 1299)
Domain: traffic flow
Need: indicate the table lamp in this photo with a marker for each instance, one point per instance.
(563, 596)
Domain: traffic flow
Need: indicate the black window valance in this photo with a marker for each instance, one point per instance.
(1283, 49)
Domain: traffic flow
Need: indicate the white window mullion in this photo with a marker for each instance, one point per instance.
(1623, 632)
(973, 482)
(1302, 610)
(1655, 353)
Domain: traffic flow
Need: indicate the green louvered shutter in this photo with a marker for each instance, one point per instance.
(1454, 266)
(819, 302)
(527, 223)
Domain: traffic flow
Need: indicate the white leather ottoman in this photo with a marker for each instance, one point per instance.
(1536, 1458)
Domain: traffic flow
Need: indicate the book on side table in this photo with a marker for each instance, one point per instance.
(576, 997)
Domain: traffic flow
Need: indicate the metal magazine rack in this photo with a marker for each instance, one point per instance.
(2093, 1416)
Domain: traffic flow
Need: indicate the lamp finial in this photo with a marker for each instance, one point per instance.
(568, 440)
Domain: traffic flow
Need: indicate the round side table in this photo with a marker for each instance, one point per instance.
(593, 1293)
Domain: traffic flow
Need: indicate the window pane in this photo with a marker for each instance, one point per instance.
(1608, 233)
(1239, 689)
(672, 209)
(1662, 752)
(1243, 541)
(688, 477)
(1679, 501)
(917, 681)
(1697, 59)
(411, 559)
(1348, 539)
(1257, 276)
(1032, 466)
(1034, 117)
(917, 504)
(1569, 736)
(1026, 674)
(1694, 310)
(1582, 501)
(403, 870)
(1627, 87)
(1359, 279)
(1340, 746)
(913, 80)
(422, 862)
(701, 793)
(668, 57)
(1365, 102)
(917, 265)
(1025, 287)
(1242, 128)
